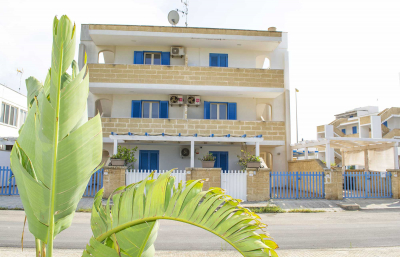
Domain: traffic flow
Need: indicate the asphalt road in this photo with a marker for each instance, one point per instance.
(290, 231)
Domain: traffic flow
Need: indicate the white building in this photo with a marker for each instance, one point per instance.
(13, 113)
(165, 89)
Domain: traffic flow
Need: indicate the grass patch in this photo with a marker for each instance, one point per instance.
(84, 210)
(266, 209)
(11, 209)
(304, 211)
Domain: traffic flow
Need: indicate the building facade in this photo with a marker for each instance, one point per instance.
(13, 111)
(180, 93)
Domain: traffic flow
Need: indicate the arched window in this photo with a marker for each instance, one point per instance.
(267, 64)
(103, 106)
(268, 159)
(264, 112)
(106, 56)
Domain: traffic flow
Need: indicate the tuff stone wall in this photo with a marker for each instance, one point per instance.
(365, 120)
(306, 165)
(213, 175)
(395, 183)
(114, 177)
(393, 133)
(170, 29)
(271, 130)
(181, 75)
(321, 128)
(333, 185)
(258, 184)
(389, 112)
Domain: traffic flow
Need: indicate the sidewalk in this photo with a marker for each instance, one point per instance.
(14, 202)
(350, 252)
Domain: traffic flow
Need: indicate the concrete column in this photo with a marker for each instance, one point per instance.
(192, 154)
(328, 155)
(376, 127)
(366, 165)
(258, 184)
(396, 157)
(114, 177)
(343, 162)
(333, 185)
(306, 153)
(115, 150)
(258, 149)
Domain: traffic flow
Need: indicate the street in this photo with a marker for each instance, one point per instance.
(372, 228)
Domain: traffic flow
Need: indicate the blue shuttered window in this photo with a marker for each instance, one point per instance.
(150, 109)
(221, 160)
(138, 57)
(220, 110)
(354, 130)
(344, 131)
(206, 110)
(149, 159)
(218, 60)
(165, 58)
(385, 123)
(232, 111)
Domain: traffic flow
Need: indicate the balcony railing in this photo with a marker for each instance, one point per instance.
(270, 130)
(186, 75)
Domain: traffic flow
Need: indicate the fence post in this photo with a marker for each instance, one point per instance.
(213, 175)
(258, 184)
(333, 184)
(395, 183)
(114, 177)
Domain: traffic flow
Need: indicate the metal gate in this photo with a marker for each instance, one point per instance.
(8, 185)
(95, 184)
(134, 176)
(297, 185)
(235, 183)
(367, 185)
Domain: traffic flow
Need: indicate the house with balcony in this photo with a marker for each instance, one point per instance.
(178, 93)
(13, 111)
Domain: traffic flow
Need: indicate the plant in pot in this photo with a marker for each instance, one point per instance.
(124, 157)
(207, 161)
(249, 160)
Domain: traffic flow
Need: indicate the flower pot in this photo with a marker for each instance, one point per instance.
(207, 164)
(253, 165)
(117, 162)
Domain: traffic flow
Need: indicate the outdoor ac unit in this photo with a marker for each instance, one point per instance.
(175, 99)
(177, 51)
(193, 100)
(185, 152)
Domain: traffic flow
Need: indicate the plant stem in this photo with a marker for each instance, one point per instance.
(37, 243)
(43, 249)
(50, 237)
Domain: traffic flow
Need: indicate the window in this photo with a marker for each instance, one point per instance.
(152, 58)
(218, 111)
(9, 114)
(351, 116)
(385, 123)
(150, 109)
(149, 159)
(218, 60)
(344, 131)
(22, 117)
(355, 130)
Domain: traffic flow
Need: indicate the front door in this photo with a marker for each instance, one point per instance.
(148, 160)
(221, 160)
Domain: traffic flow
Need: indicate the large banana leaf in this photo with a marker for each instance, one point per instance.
(58, 149)
(127, 228)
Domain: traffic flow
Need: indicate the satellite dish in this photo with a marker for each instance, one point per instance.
(173, 17)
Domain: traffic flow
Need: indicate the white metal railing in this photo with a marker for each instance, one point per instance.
(133, 176)
(235, 183)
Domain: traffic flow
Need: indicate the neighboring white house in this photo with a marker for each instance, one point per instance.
(180, 93)
(13, 113)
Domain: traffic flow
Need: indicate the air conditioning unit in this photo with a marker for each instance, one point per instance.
(177, 51)
(193, 100)
(185, 152)
(175, 99)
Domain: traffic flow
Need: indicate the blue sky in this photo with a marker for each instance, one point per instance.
(343, 54)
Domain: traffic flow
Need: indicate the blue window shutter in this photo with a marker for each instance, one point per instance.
(385, 123)
(165, 58)
(154, 156)
(214, 60)
(223, 60)
(136, 109)
(344, 131)
(144, 160)
(206, 110)
(138, 57)
(354, 130)
(232, 112)
(164, 109)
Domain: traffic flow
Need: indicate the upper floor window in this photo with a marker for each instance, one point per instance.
(344, 131)
(22, 117)
(152, 58)
(219, 111)
(9, 114)
(219, 60)
(354, 130)
(385, 123)
(149, 109)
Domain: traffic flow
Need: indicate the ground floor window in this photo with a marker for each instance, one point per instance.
(149, 159)
(221, 160)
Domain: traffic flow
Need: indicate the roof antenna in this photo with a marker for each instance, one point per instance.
(20, 78)
(185, 11)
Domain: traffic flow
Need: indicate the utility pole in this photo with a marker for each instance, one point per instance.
(297, 120)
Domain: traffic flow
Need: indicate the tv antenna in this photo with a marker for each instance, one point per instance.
(20, 78)
(185, 11)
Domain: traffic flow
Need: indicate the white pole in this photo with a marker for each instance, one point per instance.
(328, 155)
(396, 156)
(297, 121)
(257, 149)
(115, 146)
(306, 153)
(192, 154)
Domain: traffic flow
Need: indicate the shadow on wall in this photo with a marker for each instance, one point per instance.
(103, 106)
(106, 56)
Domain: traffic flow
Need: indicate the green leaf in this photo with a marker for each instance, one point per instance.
(58, 149)
(137, 209)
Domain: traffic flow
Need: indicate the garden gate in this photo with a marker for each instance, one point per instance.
(367, 185)
(235, 183)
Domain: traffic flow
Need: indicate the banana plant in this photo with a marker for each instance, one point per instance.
(58, 149)
(128, 228)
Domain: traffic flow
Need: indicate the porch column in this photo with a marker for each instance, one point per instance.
(343, 162)
(366, 165)
(328, 155)
(258, 149)
(306, 153)
(115, 146)
(396, 156)
(191, 154)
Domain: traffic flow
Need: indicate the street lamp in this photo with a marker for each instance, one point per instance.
(297, 121)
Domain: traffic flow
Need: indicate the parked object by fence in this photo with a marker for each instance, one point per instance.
(297, 185)
(8, 184)
(235, 183)
(134, 176)
(367, 185)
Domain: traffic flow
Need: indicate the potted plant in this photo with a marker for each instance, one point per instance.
(207, 161)
(124, 157)
(249, 160)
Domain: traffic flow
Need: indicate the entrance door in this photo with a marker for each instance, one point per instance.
(221, 160)
(148, 160)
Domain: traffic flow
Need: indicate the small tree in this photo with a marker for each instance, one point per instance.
(126, 154)
(246, 158)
